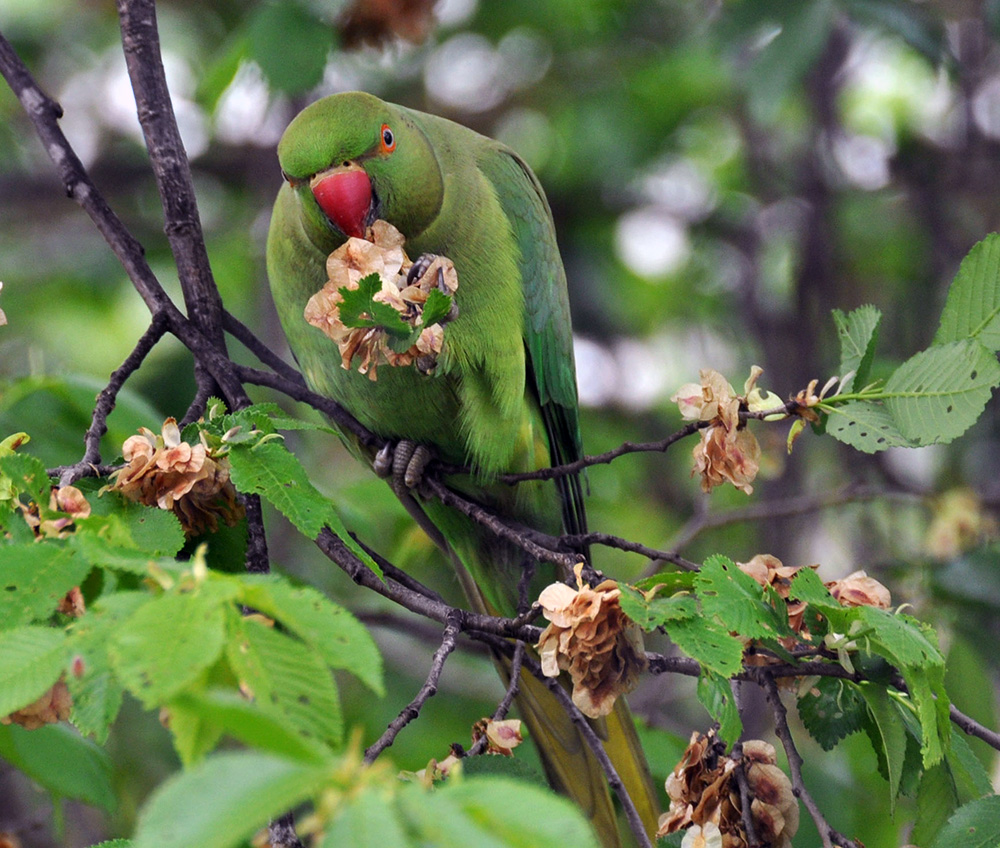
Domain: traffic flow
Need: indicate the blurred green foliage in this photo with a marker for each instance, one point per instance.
(722, 175)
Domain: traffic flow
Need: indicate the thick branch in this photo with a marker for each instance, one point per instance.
(141, 44)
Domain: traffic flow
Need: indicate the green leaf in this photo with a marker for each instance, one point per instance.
(937, 394)
(224, 800)
(337, 636)
(973, 825)
(711, 644)
(289, 44)
(866, 426)
(168, 642)
(34, 577)
(716, 696)
(31, 660)
(154, 531)
(286, 678)
(657, 612)
(62, 761)
(936, 801)
(360, 309)
(736, 600)
(271, 470)
(971, 779)
(235, 716)
(369, 820)
(478, 811)
(436, 307)
(858, 333)
(972, 310)
(888, 735)
(831, 710)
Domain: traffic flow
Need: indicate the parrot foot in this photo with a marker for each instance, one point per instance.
(404, 463)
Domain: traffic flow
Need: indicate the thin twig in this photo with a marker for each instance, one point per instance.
(974, 728)
(242, 333)
(745, 799)
(106, 400)
(827, 834)
(487, 519)
(594, 743)
(479, 746)
(257, 559)
(609, 541)
(428, 690)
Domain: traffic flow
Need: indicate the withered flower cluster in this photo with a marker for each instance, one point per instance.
(381, 252)
(705, 797)
(727, 451)
(591, 638)
(169, 473)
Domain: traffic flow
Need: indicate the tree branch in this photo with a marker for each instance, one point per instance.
(827, 834)
(428, 690)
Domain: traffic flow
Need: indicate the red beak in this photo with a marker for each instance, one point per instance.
(345, 195)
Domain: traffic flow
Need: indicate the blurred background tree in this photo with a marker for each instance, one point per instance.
(722, 174)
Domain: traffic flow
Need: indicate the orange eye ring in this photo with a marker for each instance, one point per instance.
(387, 139)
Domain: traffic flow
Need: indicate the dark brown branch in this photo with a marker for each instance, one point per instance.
(827, 834)
(609, 541)
(106, 400)
(428, 690)
(182, 224)
(487, 519)
(242, 333)
(974, 728)
(281, 833)
(504, 706)
(745, 800)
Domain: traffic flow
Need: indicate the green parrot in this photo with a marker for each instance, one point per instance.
(503, 395)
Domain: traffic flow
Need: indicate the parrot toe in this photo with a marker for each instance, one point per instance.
(404, 462)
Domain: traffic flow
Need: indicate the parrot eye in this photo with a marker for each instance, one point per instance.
(388, 139)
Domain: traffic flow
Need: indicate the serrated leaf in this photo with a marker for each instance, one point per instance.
(711, 644)
(358, 308)
(436, 307)
(273, 471)
(973, 825)
(831, 710)
(224, 800)
(286, 678)
(971, 779)
(937, 394)
(97, 693)
(34, 578)
(337, 636)
(716, 695)
(656, 612)
(858, 333)
(477, 812)
(671, 581)
(244, 721)
(736, 600)
(888, 735)
(31, 660)
(866, 426)
(972, 309)
(166, 643)
(936, 801)
(28, 475)
(62, 761)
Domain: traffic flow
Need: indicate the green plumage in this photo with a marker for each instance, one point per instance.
(503, 396)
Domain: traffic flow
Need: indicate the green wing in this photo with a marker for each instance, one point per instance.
(548, 333)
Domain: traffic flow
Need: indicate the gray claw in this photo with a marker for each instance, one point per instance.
(419, 268)
(383, 460)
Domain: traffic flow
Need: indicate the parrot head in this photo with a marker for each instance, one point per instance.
(352, 159)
